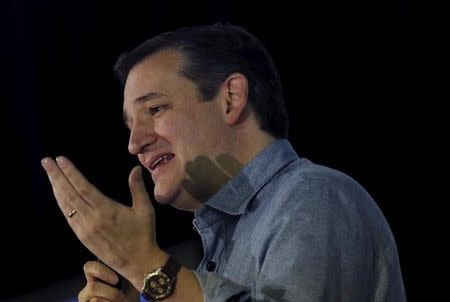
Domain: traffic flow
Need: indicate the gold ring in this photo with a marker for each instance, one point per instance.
(73, 212)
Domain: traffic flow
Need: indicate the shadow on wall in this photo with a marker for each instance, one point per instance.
(188, 253)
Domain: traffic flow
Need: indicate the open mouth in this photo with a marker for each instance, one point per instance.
(161, 160)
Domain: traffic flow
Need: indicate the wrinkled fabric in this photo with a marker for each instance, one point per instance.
(286, 229)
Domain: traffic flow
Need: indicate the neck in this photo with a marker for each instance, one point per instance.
(207, 175)
(251, 145)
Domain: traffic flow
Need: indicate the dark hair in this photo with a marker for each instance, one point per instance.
(211, 53)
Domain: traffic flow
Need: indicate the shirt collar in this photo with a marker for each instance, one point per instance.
(235, 196)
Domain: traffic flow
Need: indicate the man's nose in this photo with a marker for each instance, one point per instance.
(141, 136)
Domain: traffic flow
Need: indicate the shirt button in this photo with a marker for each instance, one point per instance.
(210, 266)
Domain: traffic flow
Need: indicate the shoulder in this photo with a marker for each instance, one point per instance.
(309, 198)
(303, 184)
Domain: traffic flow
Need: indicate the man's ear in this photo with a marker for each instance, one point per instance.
(236, 99)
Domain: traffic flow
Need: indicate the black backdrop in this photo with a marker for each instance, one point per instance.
(359, 82)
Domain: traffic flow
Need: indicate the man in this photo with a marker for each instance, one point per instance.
(206, 113)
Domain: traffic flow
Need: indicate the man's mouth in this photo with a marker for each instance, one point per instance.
(161, 160)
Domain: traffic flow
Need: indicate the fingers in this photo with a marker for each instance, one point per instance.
(100, 279)
(67, 197)
(84, 188)
(98, 291)
(95, 270)
(99, 285)
(139, 194)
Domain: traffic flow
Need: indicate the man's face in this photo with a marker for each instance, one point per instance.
(170, 125)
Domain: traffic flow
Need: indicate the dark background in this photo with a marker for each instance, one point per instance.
(363, 84)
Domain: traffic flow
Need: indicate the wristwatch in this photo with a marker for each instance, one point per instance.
(160, 284)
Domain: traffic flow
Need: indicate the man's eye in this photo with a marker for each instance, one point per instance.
(155, 110)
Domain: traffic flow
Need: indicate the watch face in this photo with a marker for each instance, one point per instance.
(158, 286)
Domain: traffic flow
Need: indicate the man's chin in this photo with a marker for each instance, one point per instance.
(165, 196)
(177, 200)
(163, 199)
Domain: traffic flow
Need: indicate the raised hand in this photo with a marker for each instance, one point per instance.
(120, 236)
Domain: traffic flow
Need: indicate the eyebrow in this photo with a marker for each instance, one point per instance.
(149, 96)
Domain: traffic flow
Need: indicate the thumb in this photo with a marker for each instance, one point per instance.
(139, 194)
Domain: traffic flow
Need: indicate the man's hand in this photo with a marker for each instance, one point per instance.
(120, 236)
(100, 285)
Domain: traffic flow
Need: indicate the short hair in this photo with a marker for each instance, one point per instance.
(213, 52)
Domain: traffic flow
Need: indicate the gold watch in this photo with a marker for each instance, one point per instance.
(160, 284)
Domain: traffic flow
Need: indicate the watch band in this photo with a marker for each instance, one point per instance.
(171, 267)
(160, 284)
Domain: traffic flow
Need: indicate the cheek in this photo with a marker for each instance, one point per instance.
(167, 128)
(176, 129)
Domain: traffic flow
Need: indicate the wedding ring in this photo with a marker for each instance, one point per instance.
(73, 212)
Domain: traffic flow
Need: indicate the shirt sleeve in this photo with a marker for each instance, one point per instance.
(322, 249)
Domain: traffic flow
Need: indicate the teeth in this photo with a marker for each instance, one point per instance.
(163, 159)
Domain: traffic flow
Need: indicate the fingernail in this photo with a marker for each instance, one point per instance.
(114, 279)
(62, 162)
(138, 174)
(44, 163)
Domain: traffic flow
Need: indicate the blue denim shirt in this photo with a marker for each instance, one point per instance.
(285, 229)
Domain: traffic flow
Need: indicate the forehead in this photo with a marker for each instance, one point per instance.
(157, 72)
